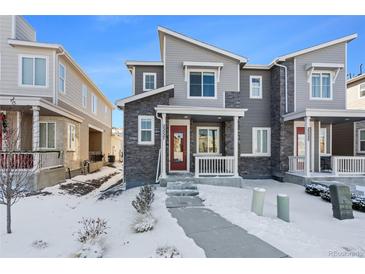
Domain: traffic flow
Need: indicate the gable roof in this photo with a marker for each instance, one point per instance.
(121, 102)
(162, 31)
(59, 48)
(356, 78)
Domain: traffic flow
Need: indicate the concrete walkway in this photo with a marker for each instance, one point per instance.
(218, 237)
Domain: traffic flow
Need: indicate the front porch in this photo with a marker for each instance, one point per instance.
(198, 143)
(324, 146)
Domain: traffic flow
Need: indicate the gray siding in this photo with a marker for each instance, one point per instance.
(178, 51)
(333, 54)
(258, 110)
(139, 70)
(23, 31)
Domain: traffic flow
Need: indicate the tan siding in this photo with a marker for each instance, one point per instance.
(354, 101)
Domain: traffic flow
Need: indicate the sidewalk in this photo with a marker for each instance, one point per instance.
(219, 238)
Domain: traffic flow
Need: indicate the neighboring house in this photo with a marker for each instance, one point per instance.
(356, 100)
(222, 117)
(117, 144)
(62, 116)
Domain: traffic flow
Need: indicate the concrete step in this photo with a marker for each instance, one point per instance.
(181, 185)
(182, 192)
(183, 201)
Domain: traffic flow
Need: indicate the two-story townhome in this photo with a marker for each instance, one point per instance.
(62, 118)
(205, 111)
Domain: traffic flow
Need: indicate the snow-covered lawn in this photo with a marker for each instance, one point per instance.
(53, 219)
(313, 232)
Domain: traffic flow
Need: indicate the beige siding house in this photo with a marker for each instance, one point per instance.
(63, 119)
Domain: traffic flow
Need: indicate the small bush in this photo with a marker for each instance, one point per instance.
(92, 229)
(144, 223)
(315, 189)
(40, 244)
(168, 252)
(144, 199)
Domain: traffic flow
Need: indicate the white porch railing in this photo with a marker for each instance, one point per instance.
(296, 163)
(348, 165)
(31, 160)
(214, 166)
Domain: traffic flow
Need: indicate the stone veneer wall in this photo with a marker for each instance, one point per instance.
(281, 133)
(140, 161)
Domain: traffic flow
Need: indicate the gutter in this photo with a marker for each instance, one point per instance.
(286, 83)
(56, 57)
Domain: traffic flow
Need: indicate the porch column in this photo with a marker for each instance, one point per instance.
(35, 131)
(18, 129)
(163, 146)
(235, 145)
(307, 147)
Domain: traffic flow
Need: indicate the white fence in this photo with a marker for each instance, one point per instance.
(296, 163)
(348, 165)
(31, 160)
(214, 166)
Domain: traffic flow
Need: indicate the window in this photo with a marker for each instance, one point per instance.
(71, 137)
(256, 87)
(323, 140)
(201, 84)
(261, 141)
(84, 96)
(47, 136)
(362, 140)
(146, 130)
(33, 71)
(208, 140)
(62, 78)
(362, 90)
(94, 103)
(321, 85)
(149, 81)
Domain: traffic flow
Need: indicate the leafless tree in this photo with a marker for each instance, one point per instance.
(16, 167)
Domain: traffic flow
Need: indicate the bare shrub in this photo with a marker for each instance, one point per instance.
(92, 229)
(144, 199)
(144, 223)
(168, 252)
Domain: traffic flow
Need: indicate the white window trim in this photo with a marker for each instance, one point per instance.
(84, 102)
(55, 131)
(144, 80)
(152, 118)
(69, 147)
(202, 71)
(326, 153)
(20, 69)
(331, 85)
(361, 97)
(94, 104)
(197, 141)
(254, 141)
(64, 78)
(359, 141)
(251, 93)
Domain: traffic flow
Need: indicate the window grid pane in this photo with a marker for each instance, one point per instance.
(316, 85)
(195, 84)
(208, 84)
(149, 82)
(326, 88)
(51, 135)
(27, 71)
(40, 72)
(43, 135)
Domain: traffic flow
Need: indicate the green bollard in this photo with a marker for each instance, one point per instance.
(283, 207)
(258, 197)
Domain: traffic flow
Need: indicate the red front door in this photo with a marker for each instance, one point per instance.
(178, 148)
(300, 141)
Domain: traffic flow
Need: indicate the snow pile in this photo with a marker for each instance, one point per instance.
(312, 232)
(39, 244)
(91, 250)
(144, 223)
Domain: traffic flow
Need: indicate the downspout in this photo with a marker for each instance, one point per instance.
(55, 94)
(286, 84)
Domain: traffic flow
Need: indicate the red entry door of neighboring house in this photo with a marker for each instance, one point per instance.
(178, 143)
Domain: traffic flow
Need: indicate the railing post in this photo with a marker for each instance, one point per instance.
(196, 167)
(334, 166)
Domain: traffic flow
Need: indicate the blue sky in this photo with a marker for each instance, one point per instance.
(101, 44)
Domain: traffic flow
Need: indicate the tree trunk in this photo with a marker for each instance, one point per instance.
(8, 218)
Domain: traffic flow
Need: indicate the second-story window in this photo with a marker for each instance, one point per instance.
(362, 90)
(201, 84)
(149, 81)
(321, 85)
(62, 78)
(84, 96)
(33, 71)
(255, 87)
(94, 103)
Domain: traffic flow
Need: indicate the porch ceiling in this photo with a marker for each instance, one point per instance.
(334, 116)
(201, 111)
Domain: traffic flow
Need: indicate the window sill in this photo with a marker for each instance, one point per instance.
(202, 97)
(207, 154)
(320, 99)
(254, 155)
(146, 144)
